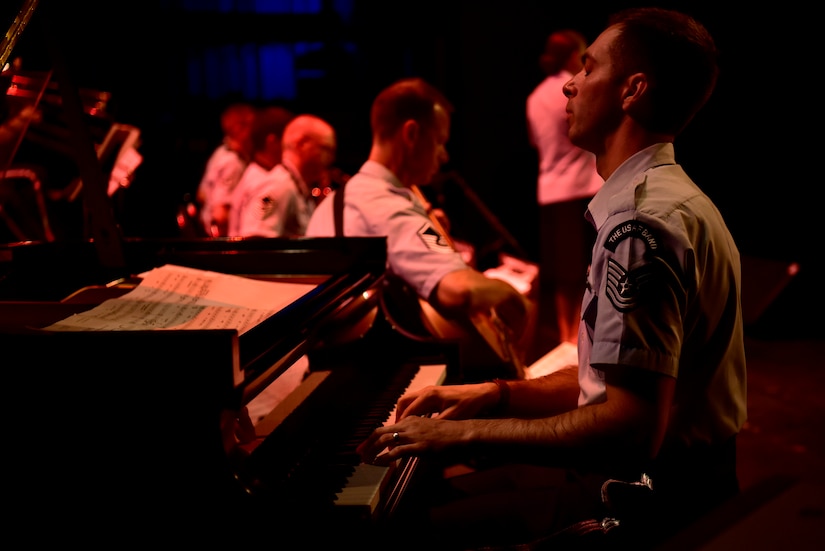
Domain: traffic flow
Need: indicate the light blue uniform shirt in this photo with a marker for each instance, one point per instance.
(663, 294)
(376, 204)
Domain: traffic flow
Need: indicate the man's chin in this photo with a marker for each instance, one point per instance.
(574, 137)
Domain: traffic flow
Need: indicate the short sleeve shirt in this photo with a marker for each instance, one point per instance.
(249, 180)
(376, 204)
(663, 294)
(271, 204)
(222, 173)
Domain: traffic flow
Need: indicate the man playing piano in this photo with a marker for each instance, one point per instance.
(643, 430)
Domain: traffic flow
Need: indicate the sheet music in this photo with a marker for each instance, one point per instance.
(563, 355)
(177, 297)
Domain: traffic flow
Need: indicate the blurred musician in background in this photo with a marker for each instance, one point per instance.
(224, 168)
(267, 150)
(410, 123)
(279, 202)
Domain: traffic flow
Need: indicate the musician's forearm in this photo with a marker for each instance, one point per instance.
(559, 393)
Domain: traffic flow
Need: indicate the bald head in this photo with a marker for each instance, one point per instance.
(308, 127)
(309, 145)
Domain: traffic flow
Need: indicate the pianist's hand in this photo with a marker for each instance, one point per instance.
(427, 420)
(415, 436)
(449, 401)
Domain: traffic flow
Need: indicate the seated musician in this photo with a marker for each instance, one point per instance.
(224, 168)
(276, 200)
(410, 123)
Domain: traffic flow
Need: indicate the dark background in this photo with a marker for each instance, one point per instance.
(752, 148)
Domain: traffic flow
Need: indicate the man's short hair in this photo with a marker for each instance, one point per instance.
(270, 120)
(237, 118)
(678, 55)
(406, 99)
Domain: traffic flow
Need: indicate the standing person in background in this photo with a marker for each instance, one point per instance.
(224, 168)
(279, 202)
(567, 180)
(643, 430)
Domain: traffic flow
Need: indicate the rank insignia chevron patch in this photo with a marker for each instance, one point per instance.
(434, 240)
(623, 286)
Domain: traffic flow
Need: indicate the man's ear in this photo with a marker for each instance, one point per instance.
(636, 97)
(634, 88)
(410, 131)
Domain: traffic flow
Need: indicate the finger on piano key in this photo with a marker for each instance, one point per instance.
(365, 488)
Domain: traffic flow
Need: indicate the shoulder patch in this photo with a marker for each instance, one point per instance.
(631, 228)
(434, 240)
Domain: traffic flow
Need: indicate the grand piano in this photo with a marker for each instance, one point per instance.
(133, 433)
(101, 422)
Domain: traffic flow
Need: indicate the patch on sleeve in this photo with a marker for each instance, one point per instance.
(631, 228)
(434, 240)
(624, 287)
(264, 206)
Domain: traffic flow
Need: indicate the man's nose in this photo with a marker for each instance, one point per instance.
(567, 89)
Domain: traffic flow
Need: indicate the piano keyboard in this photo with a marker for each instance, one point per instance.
(365, 488)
